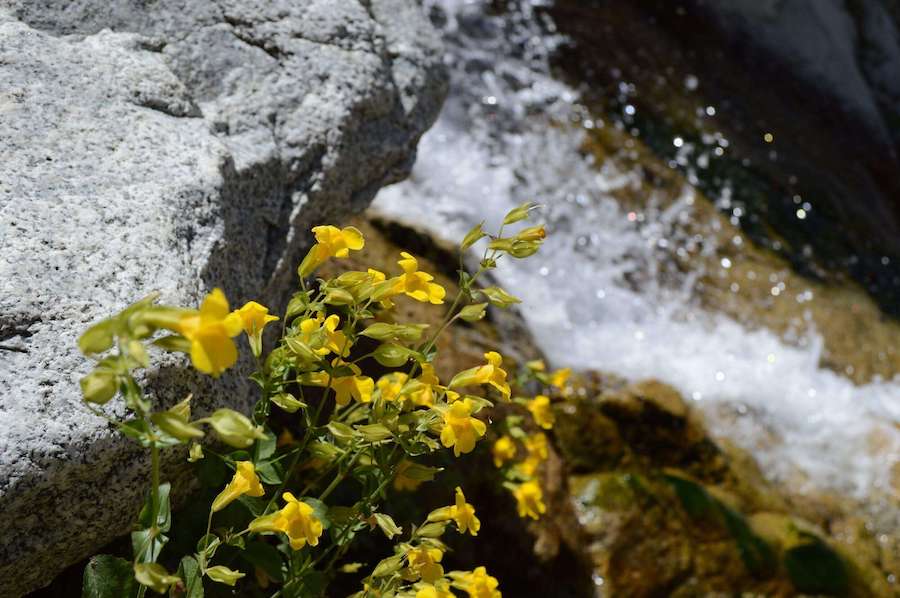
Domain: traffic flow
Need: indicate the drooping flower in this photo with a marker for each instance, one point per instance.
(210, 330)
(490, 373)
(296, 519)
(529, 499)
(461, 512)
(390, 385)
(478, 584)
(331, 242)
(424, 395)
(245, 481)
(424, 564)
(504, 450)
(254, 318)
(353, 386)
(418, 285)
(461, 431)
(541, 411)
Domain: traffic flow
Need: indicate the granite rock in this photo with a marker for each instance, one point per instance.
(172, 147)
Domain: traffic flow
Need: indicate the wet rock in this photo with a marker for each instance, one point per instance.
(664, 509)
(171, 147)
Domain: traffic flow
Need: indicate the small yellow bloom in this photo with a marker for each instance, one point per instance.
(490, 373)
(478, 584)
(560, 377)
(355, 386)
(321, 334)
(424, 564)
(536, 447)
(461, 431)
(462, 513)
(424, 396)
(504, 450)
(210, 331)
(530, 500)
(542, 412)
(532, 233)
(390, 385)
(330, 242)
(439, 590)
(254, 317)
(418, 285)
(296, 519)
(245, 481)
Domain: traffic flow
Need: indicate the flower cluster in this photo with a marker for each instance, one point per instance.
(359, 403)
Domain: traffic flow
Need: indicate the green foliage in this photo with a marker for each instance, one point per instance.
(273, 518)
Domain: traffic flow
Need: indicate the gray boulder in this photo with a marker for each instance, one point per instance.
(169, 146)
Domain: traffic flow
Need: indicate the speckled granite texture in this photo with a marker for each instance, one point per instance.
(170, 146)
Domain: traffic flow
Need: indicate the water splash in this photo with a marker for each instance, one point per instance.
(604, 296)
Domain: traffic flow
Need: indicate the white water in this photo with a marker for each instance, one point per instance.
(595, 295)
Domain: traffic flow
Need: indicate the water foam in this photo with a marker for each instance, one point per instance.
(594, 295)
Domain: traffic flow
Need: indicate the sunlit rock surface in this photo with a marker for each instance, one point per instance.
(173, 147)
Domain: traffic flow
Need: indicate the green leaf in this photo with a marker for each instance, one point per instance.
(499, 297)
(266, 557)
(98, 338)
(474, 312)
(269, 473)
(387, 525)
(472, 236)
(146, 550)
(191, 585)
(391, 356)
(287, 402)
(388, 566)
(265, 448)
(99, 386)
(106, 576)
(519, 213)
(164, 515)
(341, 431)
(138, 430)
(374, 432)
(174, 343)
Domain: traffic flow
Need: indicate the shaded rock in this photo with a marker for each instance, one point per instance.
(169, 147)
(664, 509)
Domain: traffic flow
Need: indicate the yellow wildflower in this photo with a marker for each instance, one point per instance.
(390, 385)
(424, 564)
(434, 591)
(254, 317)
(330, 242)
(536, 447)
(504, 450)
(245, 481)
(462, 513)
(560, 377)
(478, 584)
(541, 411)
(418, 285)
(210, 331)
(356, 386)
(490, 373)
(296, 519)
(424, 396)
(529, 497)
(461, 431)
(321, 334)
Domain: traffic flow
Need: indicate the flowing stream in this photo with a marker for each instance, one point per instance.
(599, 294)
